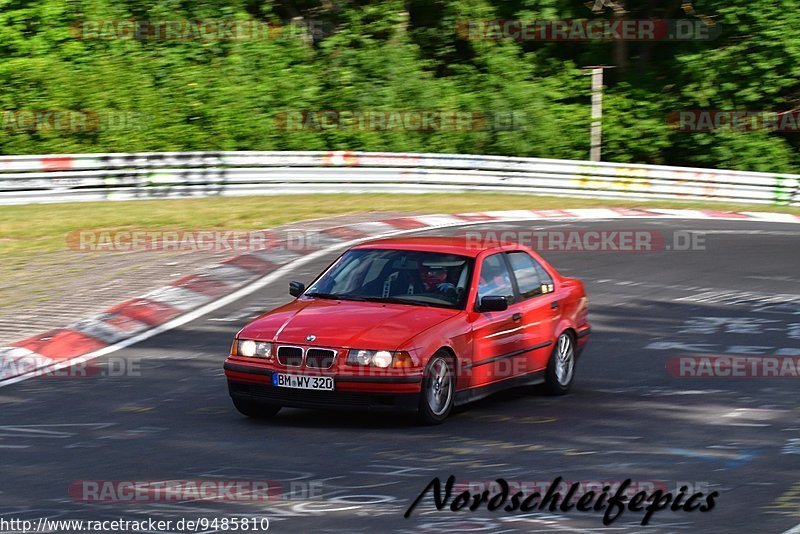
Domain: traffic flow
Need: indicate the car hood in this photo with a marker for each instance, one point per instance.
(348, 324)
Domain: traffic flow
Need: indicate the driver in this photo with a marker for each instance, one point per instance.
(434, 279)
(432, 276)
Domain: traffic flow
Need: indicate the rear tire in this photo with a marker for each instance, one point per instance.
(256, 410)
(438, 390)
(560, 371)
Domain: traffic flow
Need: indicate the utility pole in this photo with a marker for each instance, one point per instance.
(595, 146)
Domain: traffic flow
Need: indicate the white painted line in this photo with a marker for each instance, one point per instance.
(435, 221)
(13, 360)
(793, 530)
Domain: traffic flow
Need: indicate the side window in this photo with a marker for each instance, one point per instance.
(495, 279)
(526, 274)
(532, 279)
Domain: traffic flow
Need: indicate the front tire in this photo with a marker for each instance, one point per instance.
(561, 367)
(256, 410)
(438, 390)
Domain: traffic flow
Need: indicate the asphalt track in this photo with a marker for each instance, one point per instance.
(626, 417)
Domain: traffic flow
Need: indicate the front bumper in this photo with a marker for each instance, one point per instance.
(380, 393)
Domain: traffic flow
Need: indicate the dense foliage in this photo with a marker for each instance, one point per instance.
(223, 94)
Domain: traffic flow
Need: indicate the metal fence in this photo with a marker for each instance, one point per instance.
(96, 177)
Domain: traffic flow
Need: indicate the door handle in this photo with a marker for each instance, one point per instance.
(516, 317)
(554, 305)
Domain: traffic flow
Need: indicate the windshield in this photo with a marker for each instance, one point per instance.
(398, 276)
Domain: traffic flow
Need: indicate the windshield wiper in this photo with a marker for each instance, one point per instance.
(332, 296)
(389, 300)
(397, 300)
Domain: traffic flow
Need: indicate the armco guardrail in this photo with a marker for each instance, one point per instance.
(94, 177)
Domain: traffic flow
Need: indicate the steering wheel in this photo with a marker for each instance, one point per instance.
(448, 290)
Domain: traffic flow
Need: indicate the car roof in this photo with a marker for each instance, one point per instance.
(459, 245)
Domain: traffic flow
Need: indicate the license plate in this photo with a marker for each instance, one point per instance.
(319, 383)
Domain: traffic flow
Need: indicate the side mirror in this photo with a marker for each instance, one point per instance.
(296, 288)
(490, 304)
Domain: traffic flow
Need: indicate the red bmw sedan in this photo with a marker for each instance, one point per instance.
(417, 324)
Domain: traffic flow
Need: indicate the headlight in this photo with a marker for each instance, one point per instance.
(378, 358)
(254, 349)
(382, 358)
(360, 357)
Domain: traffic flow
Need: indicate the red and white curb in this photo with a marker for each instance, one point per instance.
(218, 285)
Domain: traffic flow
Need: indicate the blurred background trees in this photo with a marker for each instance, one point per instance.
(222, 94)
